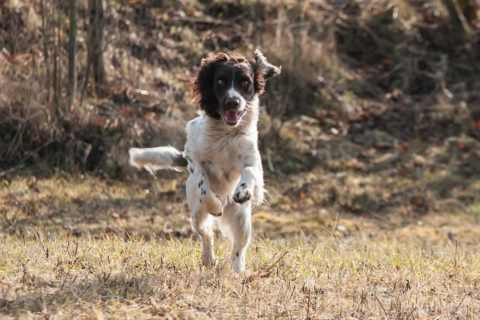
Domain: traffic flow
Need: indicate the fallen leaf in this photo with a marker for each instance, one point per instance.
(410, 213)
(149, 115)
(355, 164)
(417, 202)
(387, 62)
(126, 111)
(110, 231)
(403, 147)
(191, 12)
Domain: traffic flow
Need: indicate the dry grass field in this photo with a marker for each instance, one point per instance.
(80, 246)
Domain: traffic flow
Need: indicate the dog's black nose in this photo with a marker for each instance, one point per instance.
(232, 103)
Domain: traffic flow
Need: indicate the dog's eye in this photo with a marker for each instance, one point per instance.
(245, 83)
(220, 82)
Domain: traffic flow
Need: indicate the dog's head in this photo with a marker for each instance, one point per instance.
(225, 85)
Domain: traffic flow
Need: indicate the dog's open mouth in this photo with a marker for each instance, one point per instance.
(232, 117)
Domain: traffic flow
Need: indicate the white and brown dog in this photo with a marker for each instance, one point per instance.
(221, 152)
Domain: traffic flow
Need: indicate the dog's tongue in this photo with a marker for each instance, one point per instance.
(231, 117)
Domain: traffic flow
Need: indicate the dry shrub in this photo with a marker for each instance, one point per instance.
(336, 55)
(38, 125)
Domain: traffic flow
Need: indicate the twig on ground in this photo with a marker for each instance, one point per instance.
(381, 306)
(266, 272)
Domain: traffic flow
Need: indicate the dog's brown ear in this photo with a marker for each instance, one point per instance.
(268, 69)
(263, 70)
(202, 88)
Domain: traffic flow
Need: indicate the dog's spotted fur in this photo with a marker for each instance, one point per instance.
(226, 176)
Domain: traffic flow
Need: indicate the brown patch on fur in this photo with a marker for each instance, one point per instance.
(259, 81)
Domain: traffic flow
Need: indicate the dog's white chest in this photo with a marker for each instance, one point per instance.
(221, 166)
(220, 153)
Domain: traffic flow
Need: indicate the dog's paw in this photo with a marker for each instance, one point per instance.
(209, 261)
(241, 194)
(238, 264)
(212, 204)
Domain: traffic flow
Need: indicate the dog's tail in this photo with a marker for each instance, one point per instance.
(158, 158)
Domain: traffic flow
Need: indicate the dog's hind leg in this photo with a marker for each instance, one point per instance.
(202, 225)
(201, 221)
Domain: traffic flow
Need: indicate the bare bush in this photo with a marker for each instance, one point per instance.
(347, 60)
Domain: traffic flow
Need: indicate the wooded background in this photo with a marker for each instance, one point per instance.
(81, 81)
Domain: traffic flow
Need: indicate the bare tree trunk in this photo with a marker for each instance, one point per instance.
(95, 43)
(44, 14)
(56, 68)
(72, 50)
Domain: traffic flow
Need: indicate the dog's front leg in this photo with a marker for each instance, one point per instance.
(241, 227)
(208, 199)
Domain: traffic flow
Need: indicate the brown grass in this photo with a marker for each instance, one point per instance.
(387, 277)
(96, 248)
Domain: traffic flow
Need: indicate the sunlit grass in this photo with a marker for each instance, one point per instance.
(297, 277)
(88, 247)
